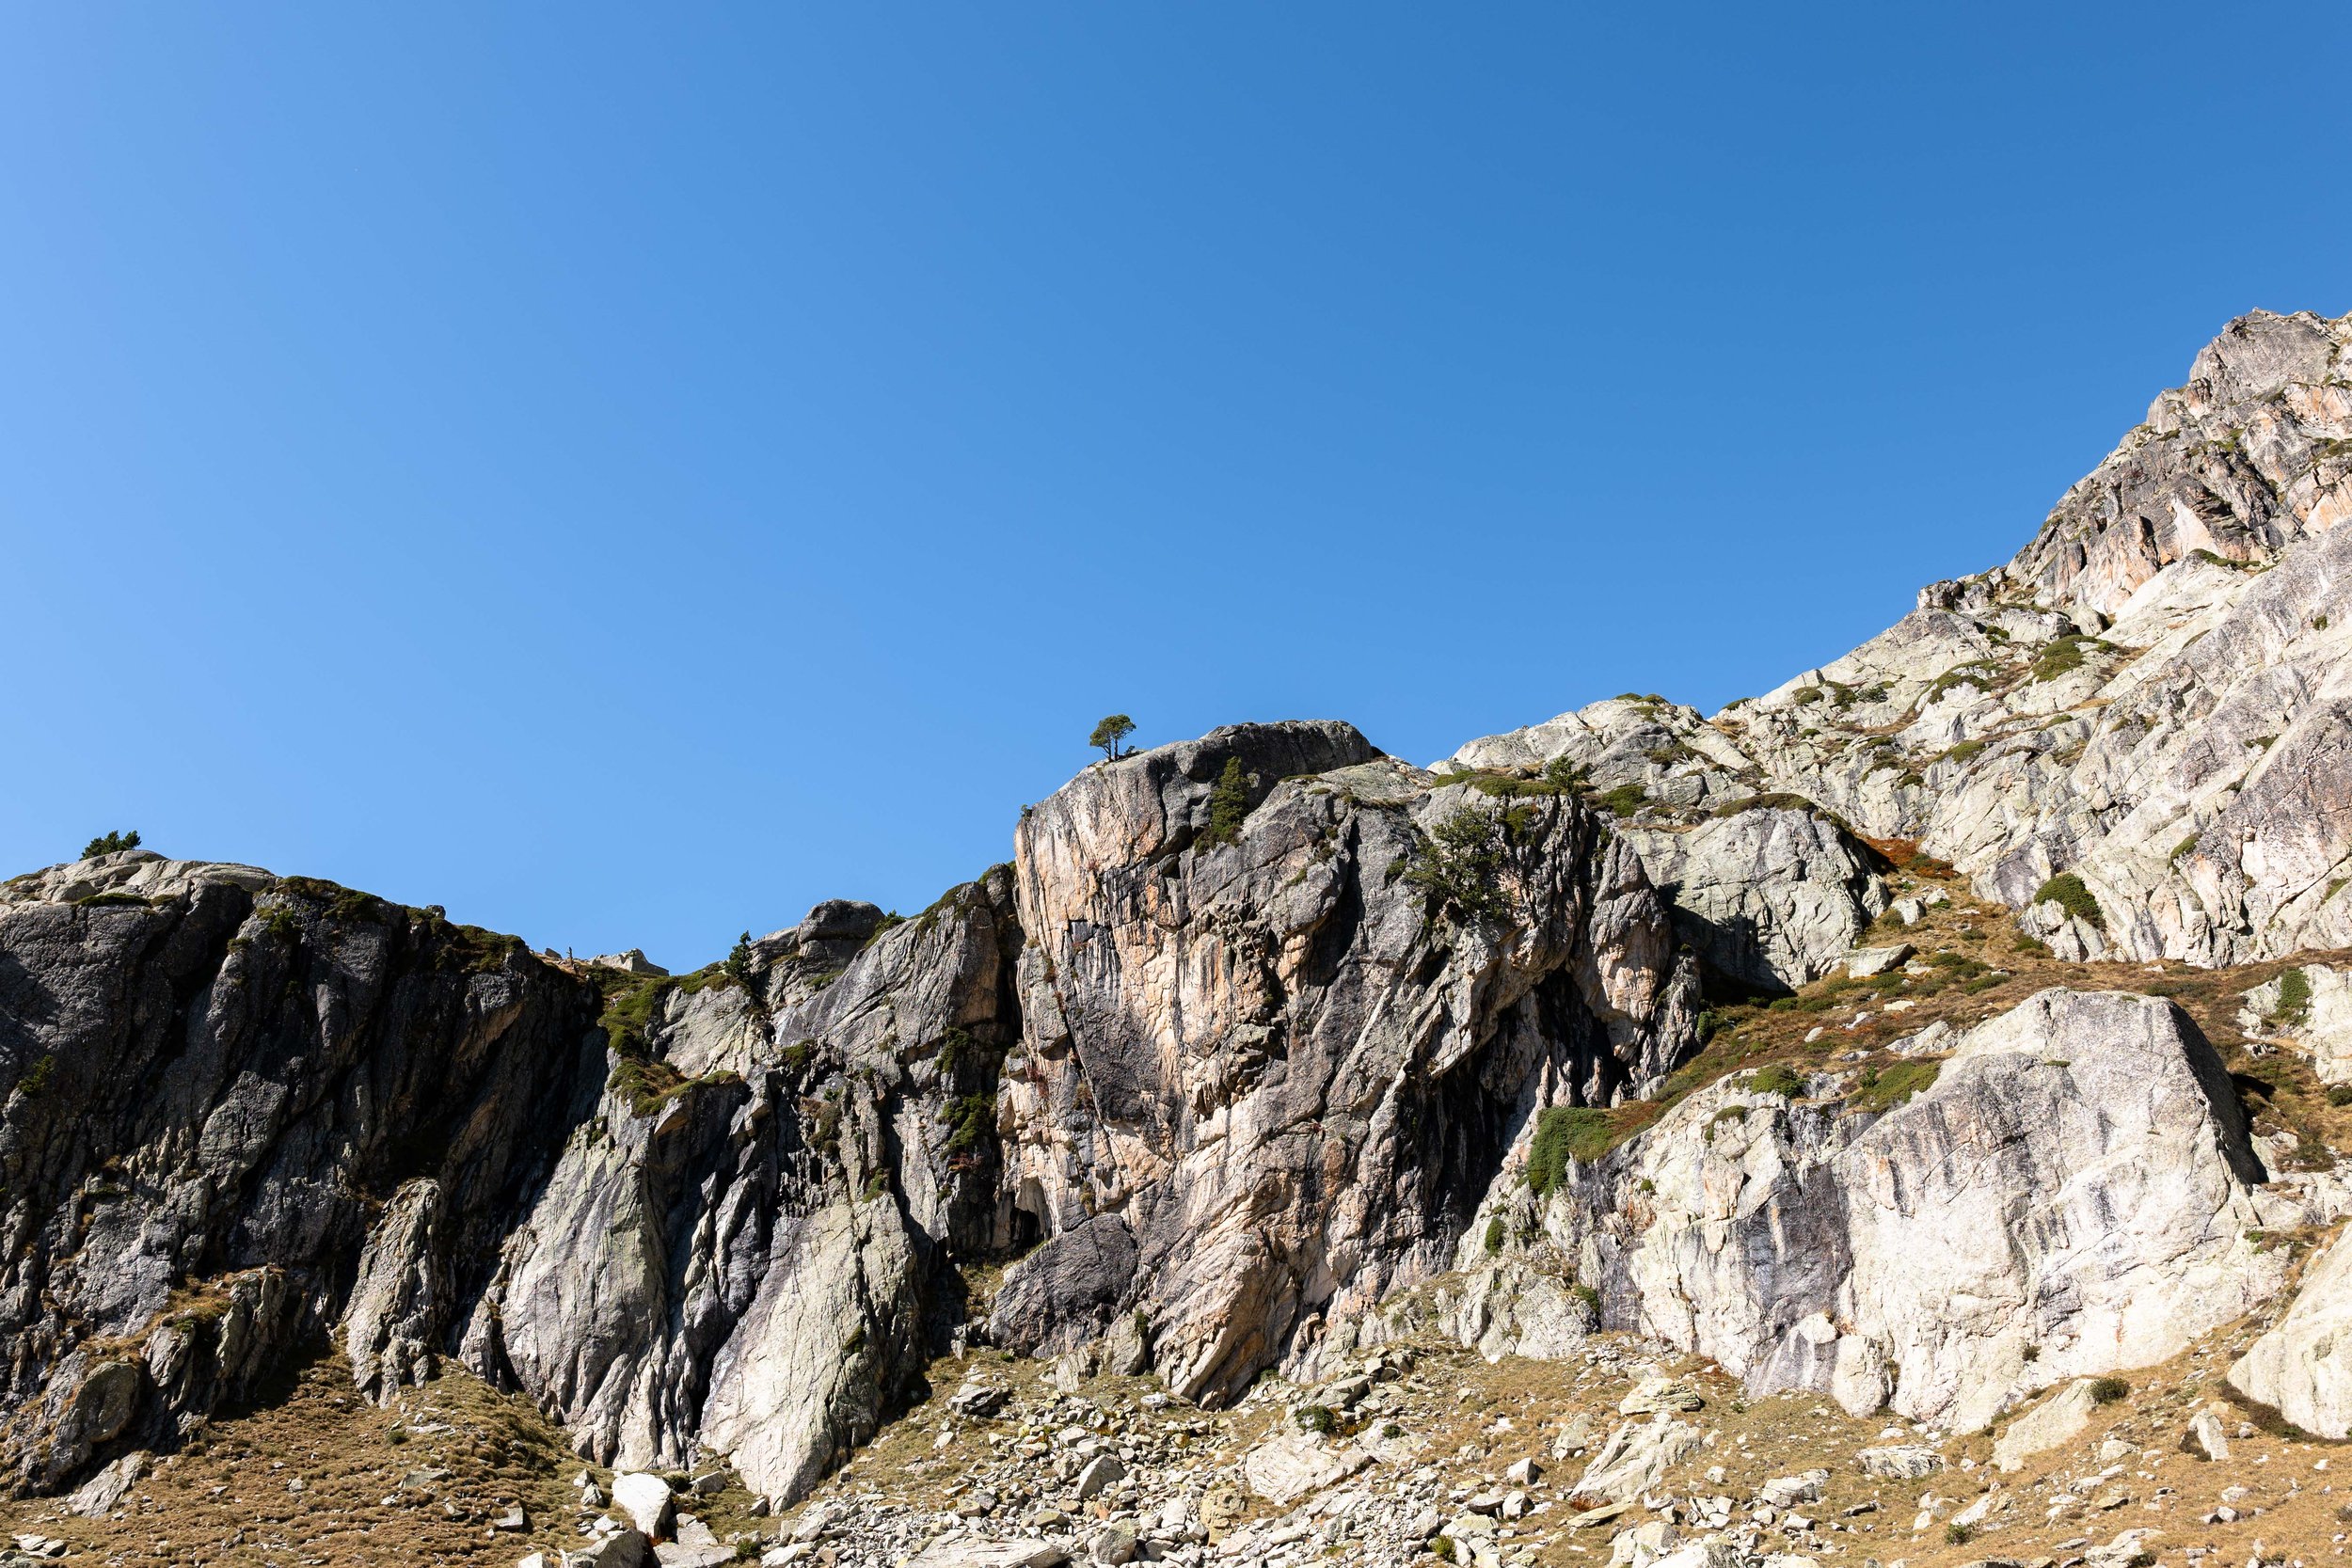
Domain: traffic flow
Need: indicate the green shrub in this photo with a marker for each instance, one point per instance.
(2294, 997)
(737, 966)
(1465, 858)
(630, 1008)
(1494, 1233)
(1805, 696)
(645, 1084)
(1229, 807)
(2182, 847)
(1442, 1547)
(1316, 1418)
(2339, 1094)
(973, 1118)
(1778, 1078)
(1590, 1297)
(1564, 775)
(1625, 799)
(1565, 1132)
(2062, 657)
(36, 1080)
(2034, 945)
(1886, 1089)
(2106, 1390)
(1958, 1534)
(2066, 890)
(108, 844)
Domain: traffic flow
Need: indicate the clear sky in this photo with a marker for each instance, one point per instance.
(624, 473)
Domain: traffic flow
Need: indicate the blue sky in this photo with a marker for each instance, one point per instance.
(624, 473)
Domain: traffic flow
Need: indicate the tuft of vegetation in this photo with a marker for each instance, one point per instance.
(2340, 1095)
(1494, 1233)
(1978, 673)
(107, 843)
(1565, 1133)
(1625, 799)
(2063, 658)
(2106, 1390)
(36, 1080)
(1469, 858)
(970, 1120)
(2066, 890)
(1590, 1297)
(1778, 1078)
(645, 1084)
(1228, 805)
(1884, 1088)
(1317, 1418)
(2295, 998)
(1958, 1534)
(632, 1003)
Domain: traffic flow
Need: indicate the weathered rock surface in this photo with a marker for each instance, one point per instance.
(2308, 1009)
(2071, 1196)
(757, 1260)
(2303, 1367)
(1281, 1063)
(215, 1075)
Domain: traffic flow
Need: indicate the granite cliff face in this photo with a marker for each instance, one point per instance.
(2071, 1193)
(222, 1085)
(1268, 1046)
(1270, 1071)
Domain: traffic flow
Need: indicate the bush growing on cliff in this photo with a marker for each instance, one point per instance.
(2294, 997)
(1470, 856)
(1565, 1132)
(2067, 892)
(1228, 805)
(109, 844)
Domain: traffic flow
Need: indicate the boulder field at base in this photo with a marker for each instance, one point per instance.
(1899, 1115)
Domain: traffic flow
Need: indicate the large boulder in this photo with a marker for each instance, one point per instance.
(1770, 897)
(2302, 1368)
(2071, 1196)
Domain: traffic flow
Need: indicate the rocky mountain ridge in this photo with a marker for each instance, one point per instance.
(1268, 1050)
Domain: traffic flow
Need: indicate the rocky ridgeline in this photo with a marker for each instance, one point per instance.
(2152, 701)
(1271, 1055)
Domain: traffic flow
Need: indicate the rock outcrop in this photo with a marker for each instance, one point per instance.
(756, 1260)
(2302, 1368)
(216, 1079)
(2070, 1194)
(2153, 698)
(1273, 1061)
